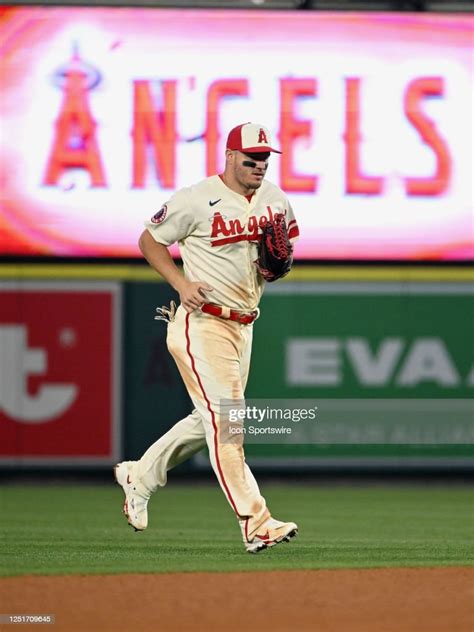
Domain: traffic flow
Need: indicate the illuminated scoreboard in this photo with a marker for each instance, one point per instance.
(106, 112)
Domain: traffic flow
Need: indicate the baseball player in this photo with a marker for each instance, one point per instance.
(218, 224)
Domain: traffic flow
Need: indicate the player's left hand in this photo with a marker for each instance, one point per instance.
(275, 251)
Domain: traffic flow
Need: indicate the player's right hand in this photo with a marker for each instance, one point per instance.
(193, 294)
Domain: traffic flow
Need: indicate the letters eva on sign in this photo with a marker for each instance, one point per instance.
(56, 362)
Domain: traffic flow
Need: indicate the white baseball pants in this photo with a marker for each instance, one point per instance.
(213, 358)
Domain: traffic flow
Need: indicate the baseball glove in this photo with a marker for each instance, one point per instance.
(275, 251)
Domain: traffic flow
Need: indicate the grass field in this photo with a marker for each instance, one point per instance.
(80, 529)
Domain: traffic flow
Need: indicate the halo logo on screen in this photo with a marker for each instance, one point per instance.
(74, 140)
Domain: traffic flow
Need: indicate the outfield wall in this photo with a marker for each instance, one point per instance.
(384, 354)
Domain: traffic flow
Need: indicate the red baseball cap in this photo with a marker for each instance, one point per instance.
(250, 138)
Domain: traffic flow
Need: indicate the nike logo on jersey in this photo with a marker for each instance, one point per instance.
(213, 203)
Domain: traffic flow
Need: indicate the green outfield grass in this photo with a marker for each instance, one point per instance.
(80, 529)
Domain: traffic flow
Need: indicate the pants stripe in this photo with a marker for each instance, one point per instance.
(213, 417)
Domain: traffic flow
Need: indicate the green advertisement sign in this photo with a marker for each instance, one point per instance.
(387, 360)
(365, 340)
(389, 367)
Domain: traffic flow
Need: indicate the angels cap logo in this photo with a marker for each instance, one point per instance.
(160, 215)
(262, 138)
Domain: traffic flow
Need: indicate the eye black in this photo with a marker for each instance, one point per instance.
(259, 156)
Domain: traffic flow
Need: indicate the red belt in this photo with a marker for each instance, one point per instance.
(229, 314)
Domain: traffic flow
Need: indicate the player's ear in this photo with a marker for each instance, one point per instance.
(229, 158)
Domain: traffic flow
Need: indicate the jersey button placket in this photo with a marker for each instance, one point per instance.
(250, 265)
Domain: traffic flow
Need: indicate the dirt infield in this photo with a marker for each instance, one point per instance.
(377, 600)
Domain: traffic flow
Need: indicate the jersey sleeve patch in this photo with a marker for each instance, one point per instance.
(160, 215)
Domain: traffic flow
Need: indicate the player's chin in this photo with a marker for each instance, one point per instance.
(255, 183)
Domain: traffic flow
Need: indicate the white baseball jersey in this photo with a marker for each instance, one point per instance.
(218, 230)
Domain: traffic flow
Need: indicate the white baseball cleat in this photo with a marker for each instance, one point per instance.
(136, 495)
(271, 532)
